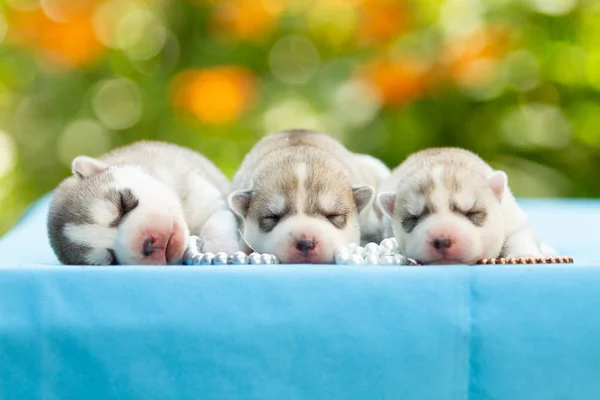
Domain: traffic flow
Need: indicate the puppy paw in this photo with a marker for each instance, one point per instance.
(548, 251)
(219, 233)
(216, 246)
(523, 254)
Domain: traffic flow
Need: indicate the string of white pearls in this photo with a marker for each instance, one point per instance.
(384, 253)
(193, 256)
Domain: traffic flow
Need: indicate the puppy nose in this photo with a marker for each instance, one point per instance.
(149, 247)
(442, 244)
(305, 245)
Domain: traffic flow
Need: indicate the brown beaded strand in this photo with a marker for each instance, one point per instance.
(527, 260)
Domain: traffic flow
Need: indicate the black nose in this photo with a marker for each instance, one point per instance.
(442, 244)
(148, 246)
(305, 246)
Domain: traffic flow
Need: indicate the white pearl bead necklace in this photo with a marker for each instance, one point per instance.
(384, 253)
(193, 256)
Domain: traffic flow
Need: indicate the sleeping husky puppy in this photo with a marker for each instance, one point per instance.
(301, 194)
(138, 205)
(447, 206)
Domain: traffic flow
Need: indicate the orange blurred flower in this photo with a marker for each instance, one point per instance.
(381, 20)
(473, 61)
(246, 19)
(215, 96)
(397, 81)
(70, 43)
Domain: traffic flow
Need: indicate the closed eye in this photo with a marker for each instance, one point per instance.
(268, 222)
(410, 220)
(476, 215)
(126, 203)
(337, 219)
(112, 257)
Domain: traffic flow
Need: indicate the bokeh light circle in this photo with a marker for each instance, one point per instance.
(106, 18)
(587, 120)
(537, 125)
(522, 70)
(3, 28)
(488, 89)
(294, 60)
(592, 69)
(356, 102)
(82, 137)
(292, 114)
(8, 154)
(552, 7)
(461, 17)
(130, 26)
(57, 10)
(141, 34)
(117, 103)
(531, 179)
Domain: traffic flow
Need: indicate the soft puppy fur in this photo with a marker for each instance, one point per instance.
(301, 194)
(448, 206)
(138, 205)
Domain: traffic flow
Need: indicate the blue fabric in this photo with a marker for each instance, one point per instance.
(303, 332)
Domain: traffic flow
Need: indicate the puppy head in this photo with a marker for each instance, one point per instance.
(115, 215)
(448, 215)
(301, 211)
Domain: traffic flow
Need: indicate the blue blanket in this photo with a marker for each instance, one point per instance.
(304, 332)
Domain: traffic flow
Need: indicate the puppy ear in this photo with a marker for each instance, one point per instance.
(386, 202)
(363, 195)
(239, 202)
(498, 181)
(85, 166)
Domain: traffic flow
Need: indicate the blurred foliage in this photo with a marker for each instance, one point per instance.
(517, 81)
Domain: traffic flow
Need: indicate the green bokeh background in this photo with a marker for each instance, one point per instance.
(538, 118)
